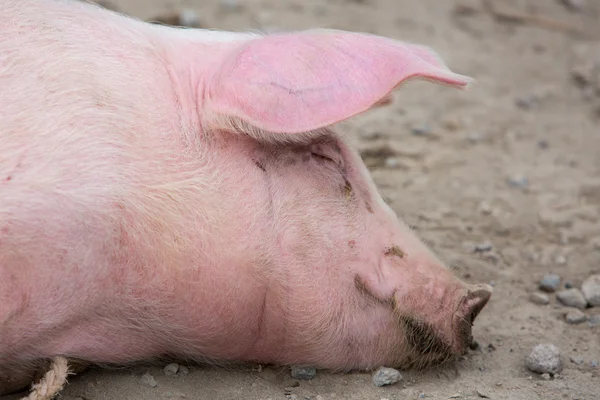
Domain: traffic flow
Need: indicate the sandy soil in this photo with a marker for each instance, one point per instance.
(515, 162)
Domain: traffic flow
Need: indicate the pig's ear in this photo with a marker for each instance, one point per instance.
(301, 82)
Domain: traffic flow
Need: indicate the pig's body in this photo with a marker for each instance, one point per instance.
(145, 210)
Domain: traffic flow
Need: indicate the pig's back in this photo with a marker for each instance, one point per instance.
(86, 161)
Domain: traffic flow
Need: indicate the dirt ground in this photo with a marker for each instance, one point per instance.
(513, 163)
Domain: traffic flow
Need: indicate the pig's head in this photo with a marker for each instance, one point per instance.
(355, 277)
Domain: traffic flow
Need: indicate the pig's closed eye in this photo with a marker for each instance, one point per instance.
(323, 157)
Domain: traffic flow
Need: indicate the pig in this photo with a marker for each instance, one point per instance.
(185, 193)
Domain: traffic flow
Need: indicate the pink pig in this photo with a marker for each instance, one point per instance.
(181, 192)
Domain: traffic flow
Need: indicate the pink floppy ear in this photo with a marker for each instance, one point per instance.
(301, 82)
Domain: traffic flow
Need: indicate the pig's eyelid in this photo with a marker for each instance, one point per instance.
(322, 156)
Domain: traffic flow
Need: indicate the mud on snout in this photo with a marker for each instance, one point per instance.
(429, 344)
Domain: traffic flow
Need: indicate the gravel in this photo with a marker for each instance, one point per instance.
(303, 373)
(572, 298)
(591, 290)
(550, 283)
(575, 316)
(386, 376)
(539, 298)
(544, 358)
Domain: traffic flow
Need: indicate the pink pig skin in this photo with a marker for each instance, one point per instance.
(171, 192)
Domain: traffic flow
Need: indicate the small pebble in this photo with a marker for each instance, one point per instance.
(391, 162)
(572, 298)
(230, 5)
(574, 5)
(184, 370)
(576, 360)
(546, 376)
(518, 181)
(482, 395)
(171, 369)
(544, 358)
(575, 316)
(149, 380)
(423, 130)
(543, 144)
(594, 320)
(550, 283)
(539, 298)
(594, 363)
(560, 260)
(526, 102)
(386, 376)
(483, 247)
(568, 285)
(304, 373)
(189, 18)
(474, 137)
(591, 290)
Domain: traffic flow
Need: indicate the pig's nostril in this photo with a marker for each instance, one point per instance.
(470, 307)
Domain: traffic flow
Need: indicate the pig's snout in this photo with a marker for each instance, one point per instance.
(470, 306)
(437, 337)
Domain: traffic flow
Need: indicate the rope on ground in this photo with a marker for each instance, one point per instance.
(53, 381)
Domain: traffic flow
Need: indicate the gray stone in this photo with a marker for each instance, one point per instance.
(423, 130)
(304, 373)
(574, 5)
(518, 181)
(184, 370)
(572, 298)
(575, 316)
(539, 298)
(576, 360)
(149, 380)
(546, 376)
(544, 358)
(230, 5)
(189, 18)
(171, 369)
(483, 247)
(594, 320)
(386, 376)
(550, 283)
(591, 290)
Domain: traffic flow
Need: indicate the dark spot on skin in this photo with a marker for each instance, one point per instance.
(421, 337)
(260, 165)
(8, 178)
(347, 189)
(351, 244)
(289, 161)
(368, 205)
(394, 251)
(360, 285)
